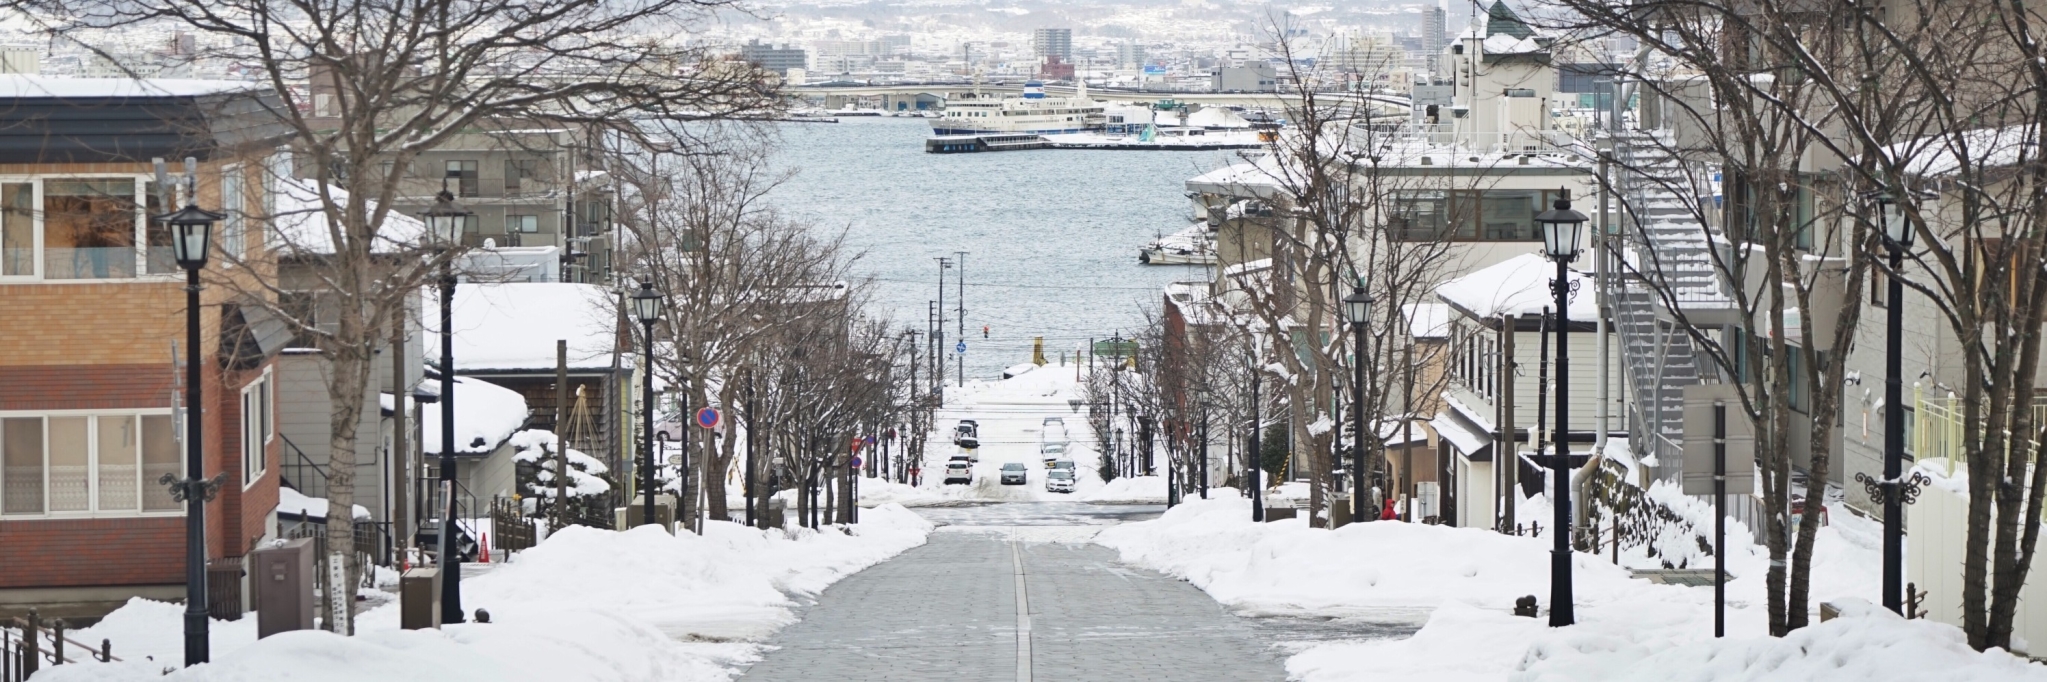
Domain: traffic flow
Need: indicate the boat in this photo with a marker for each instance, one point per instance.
(976, 114)
(1191, 246)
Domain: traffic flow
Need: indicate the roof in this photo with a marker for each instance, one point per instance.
(1981, 148)
(486, 414)
(1518, 286)
(46, 119)
(1428, 320)
(302, 224)
(1501, 20)
(514, 325)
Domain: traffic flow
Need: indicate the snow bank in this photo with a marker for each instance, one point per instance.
(585, 604)
(294, 503)
(1135, 489)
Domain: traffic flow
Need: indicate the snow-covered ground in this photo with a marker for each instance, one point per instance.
(585, 604)
(1462, 583)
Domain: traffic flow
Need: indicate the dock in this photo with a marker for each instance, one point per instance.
(968, 144)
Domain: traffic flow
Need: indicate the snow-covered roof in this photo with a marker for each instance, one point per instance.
(1517, 286)
(1450, 429)
(1981, 148)
(24, 86)
(486, 414)
(1257, 176)
(1217, 117)
(1501, 43)
(1428, 320)
(294, 503)
(302, 226)
(514, 325)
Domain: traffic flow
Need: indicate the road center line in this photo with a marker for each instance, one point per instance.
(1023, 617)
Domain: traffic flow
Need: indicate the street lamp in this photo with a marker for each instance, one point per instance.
(1358, 307)
(1898, 237)
(444, 221)
(647, 306)
(191, 234)
(1561, 230)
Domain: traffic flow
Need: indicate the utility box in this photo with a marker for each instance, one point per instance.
(1339, 511)
(774, 510)
(419, 599)
(281, 576)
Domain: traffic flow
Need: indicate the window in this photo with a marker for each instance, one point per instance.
(87, 463)
(1469, 216)
(89, 227)
(233, 233)
(522, 223)
(17, 229)
(521, 175)
(159, 258)
(257, 428)
(463, 177)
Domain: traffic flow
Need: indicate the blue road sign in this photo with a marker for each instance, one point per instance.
(960, 348)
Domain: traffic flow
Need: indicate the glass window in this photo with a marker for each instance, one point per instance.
(17, 229)
(1420, 216)
(463, 175)
(159, 456)
(1505, 215)
(255, 428)
(70, 464)
(118, 470)
(21, 465)
(521, 176)
(522, 223)
(89, 228)
(234, 228)
(161, 258)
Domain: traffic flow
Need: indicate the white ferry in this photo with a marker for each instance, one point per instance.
(976, 114)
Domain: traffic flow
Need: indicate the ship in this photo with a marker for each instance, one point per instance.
(1032, 113)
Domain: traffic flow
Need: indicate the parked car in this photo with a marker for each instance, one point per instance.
(960, 472)
(967, 429)
(969, 443)
(1052, 452)
(971, 454)
(1014, 473)
(1064, 464)
(1054, 431)
(1059, 481)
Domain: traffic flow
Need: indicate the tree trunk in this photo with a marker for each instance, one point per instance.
(350, 378)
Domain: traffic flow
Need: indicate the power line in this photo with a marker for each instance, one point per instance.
(1156, 289)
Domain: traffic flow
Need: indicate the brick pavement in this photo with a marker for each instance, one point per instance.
(947, 611)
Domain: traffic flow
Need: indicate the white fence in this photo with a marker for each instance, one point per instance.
(1936, 532)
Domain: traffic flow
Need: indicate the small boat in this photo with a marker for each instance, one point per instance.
(1191, 246)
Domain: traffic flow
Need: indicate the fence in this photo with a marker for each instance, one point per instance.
(26, 645)
(512, 531)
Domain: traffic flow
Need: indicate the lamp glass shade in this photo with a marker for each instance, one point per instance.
(444, 219)
(1358, 306)
(189, 242)
(1896, 228)
(1561, 229)
(647, 303)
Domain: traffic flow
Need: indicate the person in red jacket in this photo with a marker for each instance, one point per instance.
(1389, 515)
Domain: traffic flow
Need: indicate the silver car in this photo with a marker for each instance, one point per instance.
(1015, 473)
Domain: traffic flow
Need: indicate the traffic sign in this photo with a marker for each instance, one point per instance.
(960, 348)
(855, 462)
(708, 418)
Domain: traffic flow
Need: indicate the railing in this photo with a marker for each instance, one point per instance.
(26, 644)
(301, 473)
(1938, 423)
(511, 530)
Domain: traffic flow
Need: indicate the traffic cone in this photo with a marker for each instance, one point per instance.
(486, 546)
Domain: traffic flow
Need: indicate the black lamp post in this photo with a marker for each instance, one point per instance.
(1561, 231)
(647, 307)
(1898, 237)
(1358, 307)
(444, 220)
(191, 235)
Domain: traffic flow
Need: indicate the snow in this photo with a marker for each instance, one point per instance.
(1461, 584)
(1973, 150)
(536, 445)
(1518, 286)
(485, 415)
(293, 502)
(1462, 438)
(1130, 490)
(1501, 43)
(302, 225)
(514, 325)
(1428, 320)
(32, 86)
(586, 604)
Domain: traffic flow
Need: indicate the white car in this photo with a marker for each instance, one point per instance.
(1059, 481)
(960, 472)
(1052, 452)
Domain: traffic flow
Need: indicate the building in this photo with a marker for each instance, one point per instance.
(1251, 77)
(777, 59)
(1435, 33)
(1052, 42)
(1130, 55)
(92, 346)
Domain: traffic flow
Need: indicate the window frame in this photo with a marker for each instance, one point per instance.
(40, 232)
(255, 458)
(93, 459)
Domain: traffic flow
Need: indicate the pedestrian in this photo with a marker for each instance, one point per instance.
(1389, 514)
(916, 475)
(984, 331)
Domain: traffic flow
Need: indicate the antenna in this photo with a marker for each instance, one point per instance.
(166, 193)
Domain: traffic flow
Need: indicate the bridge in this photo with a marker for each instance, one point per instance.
(913, 96)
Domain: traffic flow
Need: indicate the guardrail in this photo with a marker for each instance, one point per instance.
(26, 644)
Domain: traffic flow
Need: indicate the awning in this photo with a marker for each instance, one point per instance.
(1468, 442)
(250, 333)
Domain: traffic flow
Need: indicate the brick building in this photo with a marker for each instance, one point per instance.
(91, 310)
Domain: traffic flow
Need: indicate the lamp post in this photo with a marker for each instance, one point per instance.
(1561, 230)
(647, 306)
(444, 220)
(1358, 307)
(191, 235)
(1898, 237)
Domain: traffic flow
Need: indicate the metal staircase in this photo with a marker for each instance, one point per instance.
(1665, 250)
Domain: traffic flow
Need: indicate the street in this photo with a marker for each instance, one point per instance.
(951, 610)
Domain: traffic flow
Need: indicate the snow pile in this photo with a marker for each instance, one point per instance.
(585, 604)
(514, 325)
(294, 503)
(537, 446)
(485, 415)
(1466, 581)
(1133, 489)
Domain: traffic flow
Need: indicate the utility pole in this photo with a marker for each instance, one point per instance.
(962, 282)
(938, 377)
(561, 421)
(1507, 446)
